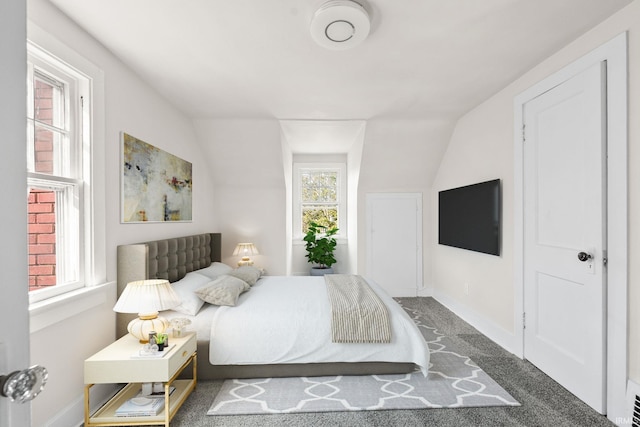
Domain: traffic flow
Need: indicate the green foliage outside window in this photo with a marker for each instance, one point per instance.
(319, 187)
(319, 199)
(324, 216)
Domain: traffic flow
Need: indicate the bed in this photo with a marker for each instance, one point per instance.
(275, 328)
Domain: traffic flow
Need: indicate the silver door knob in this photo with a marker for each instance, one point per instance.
(23, 386)
(583, 256)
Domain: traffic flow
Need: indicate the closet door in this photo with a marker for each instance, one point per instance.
(394, 242)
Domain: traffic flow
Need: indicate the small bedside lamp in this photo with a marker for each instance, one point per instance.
(245, 249)
(147, 298)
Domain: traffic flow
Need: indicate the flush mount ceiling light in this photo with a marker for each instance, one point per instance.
(340, 24)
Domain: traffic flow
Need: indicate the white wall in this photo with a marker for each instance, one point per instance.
(245, 162)
(482, 147)
(130, 106)
(480, 150)
(401, 156)
(14, 349)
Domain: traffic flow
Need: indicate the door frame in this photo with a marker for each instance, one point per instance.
(614, 53)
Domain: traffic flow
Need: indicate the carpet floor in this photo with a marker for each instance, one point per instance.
(544, 402)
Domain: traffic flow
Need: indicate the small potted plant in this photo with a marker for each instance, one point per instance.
(320, 245)
(161, 341)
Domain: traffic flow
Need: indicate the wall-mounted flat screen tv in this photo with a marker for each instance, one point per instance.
(469, 217)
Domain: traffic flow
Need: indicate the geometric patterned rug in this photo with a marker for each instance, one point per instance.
(453, 381)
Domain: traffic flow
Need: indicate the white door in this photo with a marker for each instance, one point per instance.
(394, 242)
(14, 315)
(564, 252)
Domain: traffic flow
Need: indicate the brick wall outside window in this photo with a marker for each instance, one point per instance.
(43, 149)
(42, 239)
(42, 203)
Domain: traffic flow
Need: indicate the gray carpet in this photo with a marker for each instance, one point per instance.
(454, 381)
(544, 402)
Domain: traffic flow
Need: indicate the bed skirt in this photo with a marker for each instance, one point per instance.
(206, 371)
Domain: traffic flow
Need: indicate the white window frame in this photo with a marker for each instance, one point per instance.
(74, 219)
(341, 169)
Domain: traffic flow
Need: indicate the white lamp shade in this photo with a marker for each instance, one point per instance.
(246, 249)
(147, 296)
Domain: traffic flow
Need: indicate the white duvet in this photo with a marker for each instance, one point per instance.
(286, 319)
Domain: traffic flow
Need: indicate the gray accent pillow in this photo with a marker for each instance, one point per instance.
(215, 270)
(225, 290)
(247, 273)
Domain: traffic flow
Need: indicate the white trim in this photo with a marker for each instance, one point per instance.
(614, 53)
(56, 309)
(484, 325)
(94, 205)
(73, 414)
(339, 167)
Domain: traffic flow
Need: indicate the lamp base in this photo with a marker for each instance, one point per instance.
(141, 326)
(245, 261)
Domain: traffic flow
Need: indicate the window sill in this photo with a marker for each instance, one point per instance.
(56, 309)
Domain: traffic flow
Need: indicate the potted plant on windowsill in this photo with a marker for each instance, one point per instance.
(320, 246)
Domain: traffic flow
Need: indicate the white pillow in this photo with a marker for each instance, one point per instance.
(215, 270)
(225, 290)
(185, 288)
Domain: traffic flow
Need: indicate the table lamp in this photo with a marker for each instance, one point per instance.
(245, 249)
(147, 298)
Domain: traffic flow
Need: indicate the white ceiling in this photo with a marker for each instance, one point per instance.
(321, 137)
(256, 58)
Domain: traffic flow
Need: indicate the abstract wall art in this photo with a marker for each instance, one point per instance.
(156, 185)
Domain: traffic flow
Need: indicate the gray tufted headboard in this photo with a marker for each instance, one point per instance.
(169, 259)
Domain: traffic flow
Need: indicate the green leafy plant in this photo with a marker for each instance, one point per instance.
(161, 338)
(320, 245)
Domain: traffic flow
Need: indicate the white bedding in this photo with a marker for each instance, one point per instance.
(200, 323)
(286, 319)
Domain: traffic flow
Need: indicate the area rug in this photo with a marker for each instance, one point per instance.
(454, 381)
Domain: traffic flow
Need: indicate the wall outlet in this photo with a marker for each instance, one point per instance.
(466, 288)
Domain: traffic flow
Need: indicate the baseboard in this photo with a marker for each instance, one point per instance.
(73, 414)
(487, 327)
(426, 291)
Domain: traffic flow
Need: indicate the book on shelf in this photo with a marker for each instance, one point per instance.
(152, 407)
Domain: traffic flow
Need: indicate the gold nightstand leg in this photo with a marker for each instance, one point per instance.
(86, 403)
(195, 370)
(167, 411)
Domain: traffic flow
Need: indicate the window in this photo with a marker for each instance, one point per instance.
(320, 196)
(58, 150)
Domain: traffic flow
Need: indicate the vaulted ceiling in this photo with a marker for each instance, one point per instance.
(256, 58)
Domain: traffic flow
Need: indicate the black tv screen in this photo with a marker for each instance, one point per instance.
(469, 217)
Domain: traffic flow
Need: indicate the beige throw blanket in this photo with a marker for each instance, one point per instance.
(357, 313)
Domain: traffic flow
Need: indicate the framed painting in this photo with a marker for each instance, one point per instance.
(156, 186)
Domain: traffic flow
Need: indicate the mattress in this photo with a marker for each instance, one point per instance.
(286, 320)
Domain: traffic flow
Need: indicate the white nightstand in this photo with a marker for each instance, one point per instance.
(115, 364)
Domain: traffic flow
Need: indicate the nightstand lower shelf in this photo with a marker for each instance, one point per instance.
(106, 415)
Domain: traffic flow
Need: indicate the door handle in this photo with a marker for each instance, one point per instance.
(583, 256)
(23, 386)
